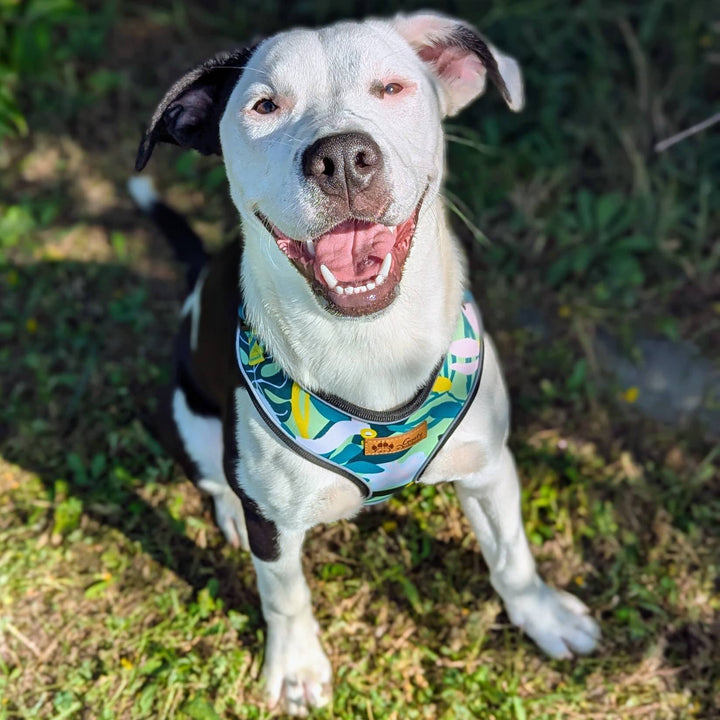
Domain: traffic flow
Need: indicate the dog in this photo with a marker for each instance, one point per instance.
(336, 355)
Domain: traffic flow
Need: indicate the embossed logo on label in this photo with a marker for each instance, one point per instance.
(395, 443)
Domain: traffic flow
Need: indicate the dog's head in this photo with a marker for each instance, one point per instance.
(332, 141)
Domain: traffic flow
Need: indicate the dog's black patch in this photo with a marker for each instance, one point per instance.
(184, 241)
(164, 429)
(189, 114)
(262, 533)
(198, 401)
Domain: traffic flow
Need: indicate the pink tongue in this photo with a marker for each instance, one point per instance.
(353, 251)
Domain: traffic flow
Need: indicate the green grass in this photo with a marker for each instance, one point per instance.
(118, 596)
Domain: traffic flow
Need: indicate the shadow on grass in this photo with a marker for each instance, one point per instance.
(84, 350)
(85, 353)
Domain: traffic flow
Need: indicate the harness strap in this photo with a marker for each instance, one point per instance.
(381, 452)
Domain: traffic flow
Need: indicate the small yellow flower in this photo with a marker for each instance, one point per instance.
(564, 311)
(579, 580)
(31, 325)
(389, 526)
(631, 394)
(106, 576)
(126, 663)
(12, 278)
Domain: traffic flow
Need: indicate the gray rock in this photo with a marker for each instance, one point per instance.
(675, 382)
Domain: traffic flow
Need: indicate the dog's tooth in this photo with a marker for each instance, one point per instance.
(371, 286)
(329, 277)
(338, 289)
(392, 228)
(311, 247)
(363, 288)
(385, 268)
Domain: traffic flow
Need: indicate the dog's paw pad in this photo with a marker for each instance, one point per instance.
(557, 621)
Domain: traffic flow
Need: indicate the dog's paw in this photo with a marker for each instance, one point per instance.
(297, 672)
(557, 621)
(229, 513)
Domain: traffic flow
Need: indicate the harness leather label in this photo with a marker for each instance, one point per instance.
(395, 443)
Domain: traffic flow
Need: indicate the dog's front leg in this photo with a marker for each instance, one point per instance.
(297, 672)
(296, 668)
(557, 621)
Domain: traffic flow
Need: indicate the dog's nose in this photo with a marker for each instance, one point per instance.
(344, 165)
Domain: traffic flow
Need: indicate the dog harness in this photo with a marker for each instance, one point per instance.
(381, 452)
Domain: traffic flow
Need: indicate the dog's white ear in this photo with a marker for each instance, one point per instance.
(189, 114)
(461, 60)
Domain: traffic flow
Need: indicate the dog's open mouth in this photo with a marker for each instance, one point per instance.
(355, 266)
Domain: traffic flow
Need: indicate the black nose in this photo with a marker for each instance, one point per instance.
(344, 165)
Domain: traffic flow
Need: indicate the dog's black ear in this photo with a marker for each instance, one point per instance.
(461, 60)
(189, 114)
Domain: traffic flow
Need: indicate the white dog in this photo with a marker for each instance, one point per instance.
(357, 363)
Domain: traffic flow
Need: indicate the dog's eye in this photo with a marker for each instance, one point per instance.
(265, 106)
(393, 89)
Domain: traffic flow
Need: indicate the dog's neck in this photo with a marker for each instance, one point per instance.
(379, 361)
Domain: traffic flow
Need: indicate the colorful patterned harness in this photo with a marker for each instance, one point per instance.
(381, 452)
